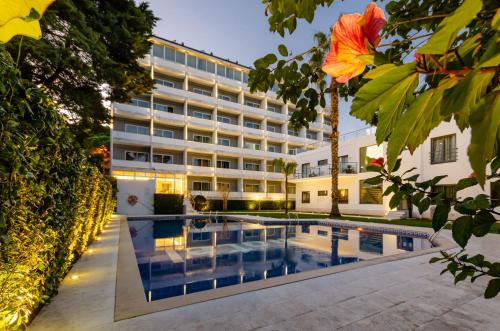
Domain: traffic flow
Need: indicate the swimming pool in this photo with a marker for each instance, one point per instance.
(178, 257)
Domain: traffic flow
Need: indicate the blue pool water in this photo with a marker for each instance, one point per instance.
(183, 256)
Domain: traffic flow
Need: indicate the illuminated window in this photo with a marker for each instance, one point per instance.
(370, 194)
(306, 197)
(343, 195)
(323, 193)
(201, 186)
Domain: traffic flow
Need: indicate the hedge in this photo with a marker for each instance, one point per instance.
(168, 204)
(249, 205)
(53, 202)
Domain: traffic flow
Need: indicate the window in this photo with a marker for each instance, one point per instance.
(229, 73)
(323, 193)
(368, 153)
(137, 129)
(221, 186)
(370, 194)
(322, 162)
(201, 186)
(252, 166)
(237, 75)
(136, 156)
(292, 151)
(322, 233)
(211, 67)
(254, 146)
(224, 141)
(252, 104)
(162, 107)
(225, 97)
(291, 189)
(311, 135)
(204, 116)
(343, 195)
(201, 236)
(495, 193)
(221, 70)
(164, 133)
(201, 162)
(443, 149)
(449, 192)
(306, 197)
(305, 229)
(272, 188)
(180, 57)
(202, 64)
(191, 61)
(202, 91)
(273, 149)
(343, 159)
(140, 103)
(169, 54)
(158, 51)
(252, 233)
(201, 139)
(252, 188)
(292, 132)
(253, 125)
(223, 119)
(165, 82)
(163, 158)
(272, 128)
(223, 164)
(274, 109)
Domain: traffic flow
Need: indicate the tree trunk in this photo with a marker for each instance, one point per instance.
(410, 207)
(286, 194)
(334, 137)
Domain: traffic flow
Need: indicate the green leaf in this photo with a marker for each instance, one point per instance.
(465, 183)
(495, 165)
(460, 99)
(462, 230)
(379, 71)
(484, 122)
(440, 216)
(495, 22)
(374, 180)
(283, 50)
(375, 94)
(493, 288)
(423, 205)
(435, 259)
(412, 178)
(397, 165)
(491, 56)
(416, 123)
(482, 223)
(461, 276)
(395, 200)
(415, 199)
(449, 27)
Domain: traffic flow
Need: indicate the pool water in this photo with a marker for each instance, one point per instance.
(184, 256)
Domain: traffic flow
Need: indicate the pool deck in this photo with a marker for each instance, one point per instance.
(405, 294)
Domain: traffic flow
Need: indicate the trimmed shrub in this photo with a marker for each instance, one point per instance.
(250, 205)
(53, 202)
(168, 204)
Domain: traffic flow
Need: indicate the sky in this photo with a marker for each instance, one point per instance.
(238, 30)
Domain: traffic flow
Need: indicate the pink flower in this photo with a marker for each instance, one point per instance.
(349, 40)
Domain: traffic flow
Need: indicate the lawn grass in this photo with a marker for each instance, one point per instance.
(425, 223)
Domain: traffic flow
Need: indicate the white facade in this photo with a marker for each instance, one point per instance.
(201, 130)
(443, 153)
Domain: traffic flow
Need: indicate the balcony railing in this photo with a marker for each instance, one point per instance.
(326, 170)
(445, 156)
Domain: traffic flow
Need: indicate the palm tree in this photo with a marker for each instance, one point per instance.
(316, 61)
(286, 168)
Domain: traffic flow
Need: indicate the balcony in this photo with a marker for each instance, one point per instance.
(201, 123)
(200, 98)
(160, 142)
(257, 133)
(165, 65)
(253, 174)
(229, 150)
(130, 138)
(282, 118)
(345, 168)
(316, 125)
(169, 167)
(169, 118)
(200, 74)
(225, 172)
(228, 128)
(274, 176)
(130, 164)
(200, 171)
(229, 105)
(276, 136)
(178, 94)
(295, 139)
(145, 61)
(259, 112)
(200, 146)
(131, 111)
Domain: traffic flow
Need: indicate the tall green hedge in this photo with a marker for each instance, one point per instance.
(168, 204)
(53, 202)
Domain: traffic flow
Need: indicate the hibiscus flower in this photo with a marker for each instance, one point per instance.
(351, 37)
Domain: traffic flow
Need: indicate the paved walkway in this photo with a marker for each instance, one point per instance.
(402, 295)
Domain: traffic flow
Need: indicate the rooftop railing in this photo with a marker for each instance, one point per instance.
(326, 170)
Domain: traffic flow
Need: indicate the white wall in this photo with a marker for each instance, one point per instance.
(143, 189)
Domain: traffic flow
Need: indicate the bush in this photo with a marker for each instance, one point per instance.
(53, 202)
(168, 204)
(250, 205)
(200, 203)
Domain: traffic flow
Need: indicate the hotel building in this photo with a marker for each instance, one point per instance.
(202, 131)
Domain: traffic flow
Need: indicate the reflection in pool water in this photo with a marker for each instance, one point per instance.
(175, 259)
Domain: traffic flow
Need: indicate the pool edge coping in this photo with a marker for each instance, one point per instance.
(130, 301)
